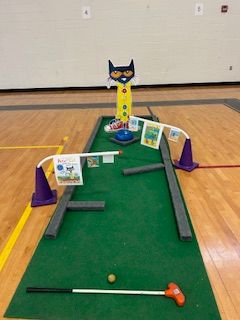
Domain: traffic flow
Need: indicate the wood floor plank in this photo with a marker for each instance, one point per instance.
(109, 96)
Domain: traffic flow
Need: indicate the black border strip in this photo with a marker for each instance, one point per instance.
(180, 210)
(233, 104)
(147, 86)
(58, 215)
(228, 102)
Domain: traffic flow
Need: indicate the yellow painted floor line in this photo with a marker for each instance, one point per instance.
(14, 236)
(19, 227)
(59, 151)
(50, 168)
(28, 147)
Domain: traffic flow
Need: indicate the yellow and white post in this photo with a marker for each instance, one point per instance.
(124, 101)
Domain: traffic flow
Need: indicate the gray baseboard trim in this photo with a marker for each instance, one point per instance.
(229, 102)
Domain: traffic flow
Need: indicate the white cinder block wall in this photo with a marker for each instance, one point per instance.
(47, 43)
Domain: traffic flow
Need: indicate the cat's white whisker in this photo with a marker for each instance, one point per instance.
(109, 82)
(135, 80)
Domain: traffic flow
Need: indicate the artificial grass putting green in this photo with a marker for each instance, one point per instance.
(135, 238)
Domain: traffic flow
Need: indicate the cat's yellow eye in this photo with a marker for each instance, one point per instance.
(116, 74)
(128, 73)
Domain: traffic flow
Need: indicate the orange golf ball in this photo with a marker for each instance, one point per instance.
(111, 278)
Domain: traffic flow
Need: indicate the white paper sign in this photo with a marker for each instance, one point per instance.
(151, 135)
(68, 170)
(174, 134)
(133, 124)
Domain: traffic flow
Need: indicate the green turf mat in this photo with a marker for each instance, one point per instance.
(135, 238)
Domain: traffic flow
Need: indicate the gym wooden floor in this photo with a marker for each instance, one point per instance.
(212, 195)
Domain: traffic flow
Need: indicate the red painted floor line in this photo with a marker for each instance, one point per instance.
(203, 166)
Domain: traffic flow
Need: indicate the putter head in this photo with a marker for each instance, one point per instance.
(173, 291)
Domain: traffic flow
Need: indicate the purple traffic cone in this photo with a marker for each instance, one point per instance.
(186, 161)
(43, 194)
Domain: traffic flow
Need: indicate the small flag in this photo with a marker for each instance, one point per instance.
(174, 134)
(109, 158)
(133, 124)
(93, 162)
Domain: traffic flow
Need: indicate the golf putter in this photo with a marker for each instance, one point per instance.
(173, 291)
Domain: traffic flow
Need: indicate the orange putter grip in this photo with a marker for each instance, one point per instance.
(175, 293)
